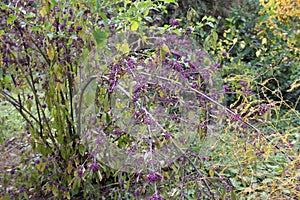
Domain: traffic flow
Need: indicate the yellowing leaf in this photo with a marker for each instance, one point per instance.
(258, 53)
(163, 51)
(123, 48)
(70, 167)
(100, 176)
(161, 94)
(264, 41)
(165, 48)
(50, 52)
(242, 44)
(45, 9)
(134, 26)
(41, 167)
(211, 172)
(67, 195)
(235, 40)
(55, 190)
(144, 39)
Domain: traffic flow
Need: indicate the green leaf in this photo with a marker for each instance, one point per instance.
(35, 28)
(148, 19)
(170, 1)
(233, 195)
(55, 190)
(99, 36)
(50, 35)
(134, 26)
(164, 49)
(11, 18)
(211, 19)
(64, 153)
(210, 24)
(6, 79)
(53, 3)
(81, 149)
(41, 166)
(29, 15)
(42, 149)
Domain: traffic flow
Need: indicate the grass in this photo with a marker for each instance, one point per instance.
(11, 122)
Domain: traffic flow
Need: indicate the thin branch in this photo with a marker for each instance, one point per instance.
(18, 108)
(16, 104)
(228, 111)
(172, 141)
(78, 111)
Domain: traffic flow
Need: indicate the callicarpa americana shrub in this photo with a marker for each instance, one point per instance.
(41, 46)
(145, 99)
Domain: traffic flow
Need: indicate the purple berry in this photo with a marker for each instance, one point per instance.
(78, 28)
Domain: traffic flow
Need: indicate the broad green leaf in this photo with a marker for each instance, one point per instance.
(29, 15)
(81, 149)
(211, 19)
(11, 18)
(134, 26)
(7, 79)
(210, 24)
(148, 19)
(35, 28)
(164, 49)
(55, 190)
(99, 36)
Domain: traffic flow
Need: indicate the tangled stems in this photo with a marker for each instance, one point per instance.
(151, 87)
(149, 93)
(232, 113)
(171, 139)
